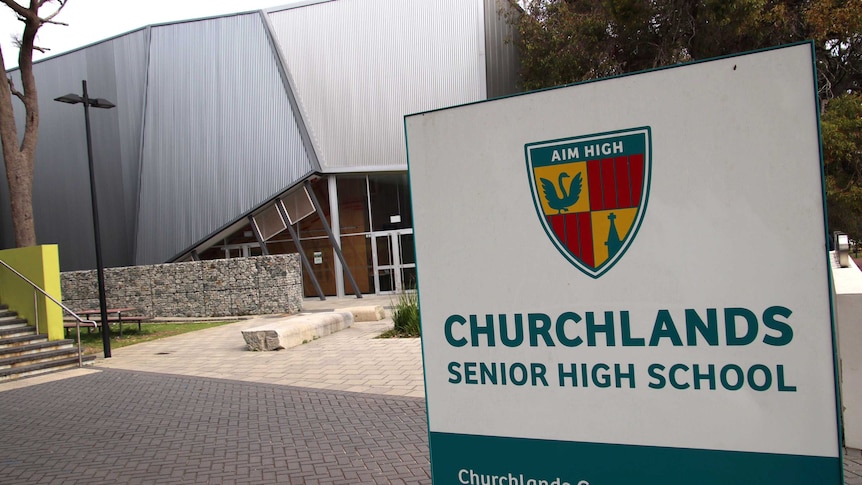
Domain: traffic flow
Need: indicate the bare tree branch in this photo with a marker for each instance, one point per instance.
(16, 41)
(15, 92)
(27, 14)
(23, 12)
(47, 19)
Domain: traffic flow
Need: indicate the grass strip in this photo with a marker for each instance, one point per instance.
(92, 341)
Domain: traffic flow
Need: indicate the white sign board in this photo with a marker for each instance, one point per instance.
(626, 281)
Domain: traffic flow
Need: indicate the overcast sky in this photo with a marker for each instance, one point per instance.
(93, 20)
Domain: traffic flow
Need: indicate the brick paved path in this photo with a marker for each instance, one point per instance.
(853, 467)
(118, 426)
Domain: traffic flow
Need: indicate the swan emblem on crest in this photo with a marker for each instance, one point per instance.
(561, 203)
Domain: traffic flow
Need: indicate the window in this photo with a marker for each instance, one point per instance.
(353, 204)
(390, 202)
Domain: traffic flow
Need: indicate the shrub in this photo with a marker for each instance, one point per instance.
(405, 315)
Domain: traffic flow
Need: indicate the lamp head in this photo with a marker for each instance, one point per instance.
(94, 102)
(101, 103)
(70, 99)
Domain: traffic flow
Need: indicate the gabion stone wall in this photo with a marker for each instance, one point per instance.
(216, 288)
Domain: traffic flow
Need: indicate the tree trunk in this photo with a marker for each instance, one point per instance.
(19, 158)
(20, 179)
(19, 172)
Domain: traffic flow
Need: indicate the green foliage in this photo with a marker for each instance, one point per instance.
(405, 315)
(566, 41)
(841, 126)
(563, 42)
(836, 27)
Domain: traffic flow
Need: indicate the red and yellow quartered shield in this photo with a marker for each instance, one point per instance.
(591, 193)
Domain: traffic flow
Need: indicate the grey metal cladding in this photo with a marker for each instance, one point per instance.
(359, 66)
(61, 195)
(219, 134)
(500, 49)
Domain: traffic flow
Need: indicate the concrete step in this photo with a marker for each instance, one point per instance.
(7, 313)
(23, 352)
(16, 331)
(12, 321)
(38, 358)
(30, 338)
(30, 348)
(43, 367)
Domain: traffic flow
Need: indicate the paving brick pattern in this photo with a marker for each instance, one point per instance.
(118, 426)
(345, 409)
(852, 467)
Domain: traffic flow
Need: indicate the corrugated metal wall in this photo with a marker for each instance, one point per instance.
(220, 136)
(501, 51)
(360, 65)
(204, 130)
(61, 194)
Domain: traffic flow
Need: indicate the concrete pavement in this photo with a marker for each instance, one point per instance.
(200, 408)
(350, 360)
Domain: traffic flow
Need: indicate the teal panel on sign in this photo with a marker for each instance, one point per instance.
(469, 459)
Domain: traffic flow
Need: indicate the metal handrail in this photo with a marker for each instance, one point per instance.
(36, 288)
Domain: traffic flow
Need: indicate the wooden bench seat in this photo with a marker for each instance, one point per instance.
(69, 322)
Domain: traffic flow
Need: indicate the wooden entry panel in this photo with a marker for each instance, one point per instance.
(357, 253)
(322, 260)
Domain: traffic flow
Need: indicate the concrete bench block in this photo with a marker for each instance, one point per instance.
(290, 332)
(367, 313)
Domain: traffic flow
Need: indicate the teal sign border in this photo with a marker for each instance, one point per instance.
(448, 451)
(613, 464)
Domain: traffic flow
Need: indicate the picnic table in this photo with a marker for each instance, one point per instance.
(115, 315)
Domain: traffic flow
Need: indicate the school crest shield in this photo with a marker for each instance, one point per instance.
(590, 193)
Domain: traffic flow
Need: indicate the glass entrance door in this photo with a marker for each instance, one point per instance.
(394, 261)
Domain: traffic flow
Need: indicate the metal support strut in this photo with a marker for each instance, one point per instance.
(332, 239)
(305, 262)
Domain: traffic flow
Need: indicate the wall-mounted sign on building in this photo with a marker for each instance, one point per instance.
(626, 281)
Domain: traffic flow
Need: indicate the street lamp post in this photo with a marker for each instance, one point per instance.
(100, 268)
